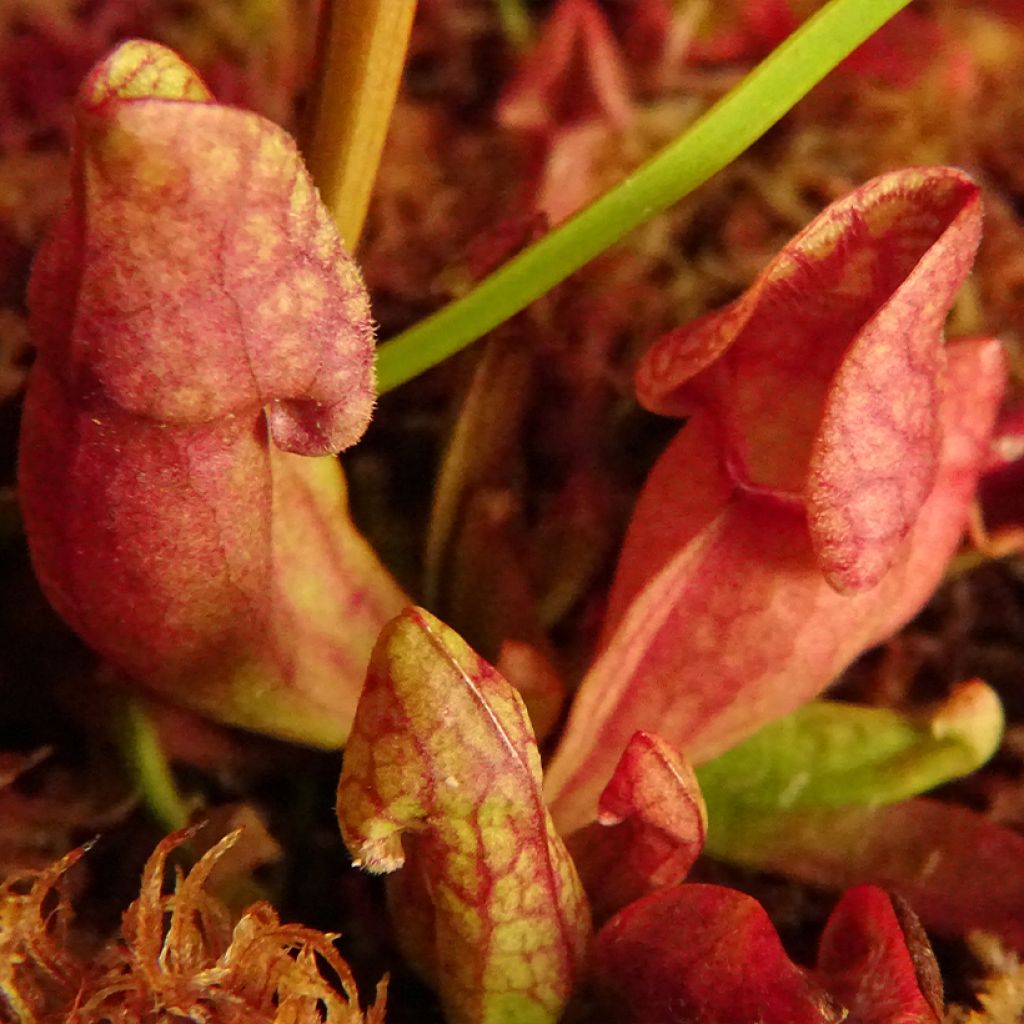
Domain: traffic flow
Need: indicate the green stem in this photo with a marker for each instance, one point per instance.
(728, 128)
(148, 766)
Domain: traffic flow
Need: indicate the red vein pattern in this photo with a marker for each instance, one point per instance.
(768, 548)
(442, 774)
(194, 309)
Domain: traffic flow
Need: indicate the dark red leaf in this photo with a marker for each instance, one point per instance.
(650, 828)
(702, 954)
(876, 960)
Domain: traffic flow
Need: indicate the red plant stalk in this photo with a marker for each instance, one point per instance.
(202, 335)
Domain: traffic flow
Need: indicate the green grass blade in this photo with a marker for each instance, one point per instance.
(725, 131)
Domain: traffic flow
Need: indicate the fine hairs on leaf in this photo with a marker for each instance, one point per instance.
(204, 347)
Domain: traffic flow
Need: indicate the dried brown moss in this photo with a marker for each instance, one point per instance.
(179, 956)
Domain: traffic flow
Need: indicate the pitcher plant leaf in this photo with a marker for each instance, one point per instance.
(442, 775)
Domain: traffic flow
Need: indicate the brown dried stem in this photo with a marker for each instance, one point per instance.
(361, 54)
